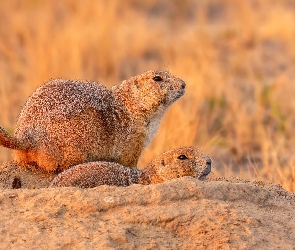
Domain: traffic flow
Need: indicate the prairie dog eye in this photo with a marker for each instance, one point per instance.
(158, 78)
(182, 157)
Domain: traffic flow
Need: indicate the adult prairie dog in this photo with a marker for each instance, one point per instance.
(66, 122)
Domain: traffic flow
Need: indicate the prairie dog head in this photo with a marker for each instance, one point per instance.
(151, 91)
(178, 163)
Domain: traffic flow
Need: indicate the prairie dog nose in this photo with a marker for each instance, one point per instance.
(209, 163)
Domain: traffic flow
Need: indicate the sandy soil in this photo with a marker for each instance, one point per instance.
(180, 214)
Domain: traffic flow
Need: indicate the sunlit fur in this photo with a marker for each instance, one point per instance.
(66, 122)
(165, 167)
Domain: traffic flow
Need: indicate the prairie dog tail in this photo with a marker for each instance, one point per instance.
(7, 140)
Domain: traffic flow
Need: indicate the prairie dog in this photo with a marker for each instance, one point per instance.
(67, 122)
(172, 164)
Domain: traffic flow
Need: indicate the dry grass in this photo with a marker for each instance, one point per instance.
(237, 58)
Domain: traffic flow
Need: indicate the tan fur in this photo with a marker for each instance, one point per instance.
(168, 166)
(28, 176)
(67, 122)
(165, 167)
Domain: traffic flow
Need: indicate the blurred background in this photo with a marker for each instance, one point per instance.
(237, 58)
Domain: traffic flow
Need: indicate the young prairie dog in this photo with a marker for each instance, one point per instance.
(172, 164)
(66, 122)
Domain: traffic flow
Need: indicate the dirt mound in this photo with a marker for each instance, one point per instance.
(180, 214)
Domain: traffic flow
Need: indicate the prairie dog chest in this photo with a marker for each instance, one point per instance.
(152, 127)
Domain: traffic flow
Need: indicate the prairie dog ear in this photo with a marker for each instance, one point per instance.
(136, 83)
(124, 82)
(114, 87)
(122, 85)
(129, 84)
(132, 84)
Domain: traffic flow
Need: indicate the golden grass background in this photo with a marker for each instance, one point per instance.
(237, 58)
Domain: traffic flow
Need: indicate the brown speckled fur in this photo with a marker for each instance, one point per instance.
(66, 122)
(163, 168)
